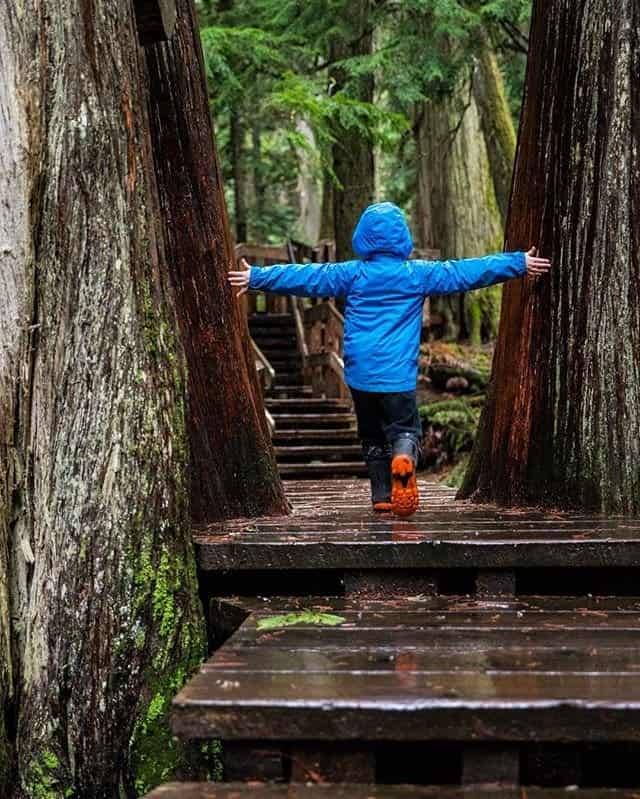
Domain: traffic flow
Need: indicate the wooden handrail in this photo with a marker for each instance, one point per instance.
(297, 314)
(262, 359)
(322, 312)
(262, 253)
(303, 348)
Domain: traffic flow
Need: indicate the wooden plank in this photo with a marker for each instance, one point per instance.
(155, 19)
(276, 254)
(364, 717)
(460, 656)
(216, 554)
(315, 418)
(563, 621)
(421, 604)
(319, 638)
(379, 528)
(319, 450)
(320, 468)
(527, 669)
(328, 433)
(211, 790)
(308, 402)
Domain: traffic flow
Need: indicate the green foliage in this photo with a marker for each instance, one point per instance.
(302, 617)
(457, 419)
(456, 476)
(271, 64)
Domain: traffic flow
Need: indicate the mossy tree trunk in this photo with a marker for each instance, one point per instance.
(353, 160)
(102, 609)
(457, 197)
(495, 118)
(562, 424)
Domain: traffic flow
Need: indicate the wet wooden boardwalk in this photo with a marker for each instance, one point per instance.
(536, 668)
(332, 526)
(248, 791)
(431, 659)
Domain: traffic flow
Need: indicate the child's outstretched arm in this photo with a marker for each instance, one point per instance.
(304, 280)
(448, 277)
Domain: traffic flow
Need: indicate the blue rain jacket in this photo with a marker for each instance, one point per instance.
(384, 293)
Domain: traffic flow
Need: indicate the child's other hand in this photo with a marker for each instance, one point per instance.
(240, 278)
(536, 266)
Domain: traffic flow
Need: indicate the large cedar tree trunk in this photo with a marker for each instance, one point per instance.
(562, 423)
(353, 161)
(234, 471)
(102, 610)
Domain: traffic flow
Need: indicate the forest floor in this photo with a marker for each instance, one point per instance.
(451, 389)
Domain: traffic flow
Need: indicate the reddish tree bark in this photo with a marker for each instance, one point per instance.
(234, 471)
(562, 421)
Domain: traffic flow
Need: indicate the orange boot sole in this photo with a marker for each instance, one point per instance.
(380, 507)
(404, 486)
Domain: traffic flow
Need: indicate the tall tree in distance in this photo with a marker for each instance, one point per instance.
(100, 316)
(562, 422)
(497, 125)
(352, 153)
(457, 200)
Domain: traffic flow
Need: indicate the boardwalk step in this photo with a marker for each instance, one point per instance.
(288, 366)
(212, 790)
(311, 452)
(270, 319)
(333, 527)
(282, 351)
(317, 469)
(290, 391)
(448, 668)
(289, 377)
(272, 350)
(328, 434)
(308, 404)
(313, 419)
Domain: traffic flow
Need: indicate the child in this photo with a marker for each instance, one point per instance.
(384, 294)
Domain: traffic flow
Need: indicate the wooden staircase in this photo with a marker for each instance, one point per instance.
(468, 652)
(313, 435)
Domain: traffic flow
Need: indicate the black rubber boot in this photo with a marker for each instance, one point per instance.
(404, 486)
(378, 460)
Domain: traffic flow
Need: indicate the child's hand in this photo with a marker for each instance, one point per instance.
(240, 278)
(536, 266)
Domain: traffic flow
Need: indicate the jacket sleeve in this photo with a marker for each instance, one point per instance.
(304, 280)
(449, 277)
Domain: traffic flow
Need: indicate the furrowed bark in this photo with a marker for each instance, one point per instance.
(562, 425)
(103, 591)
(234, 471)
(94, 431)
(13, 277)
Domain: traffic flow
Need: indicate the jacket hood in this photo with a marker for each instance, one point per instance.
(382, 229)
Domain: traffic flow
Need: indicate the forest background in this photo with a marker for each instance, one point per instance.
(322, 107)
